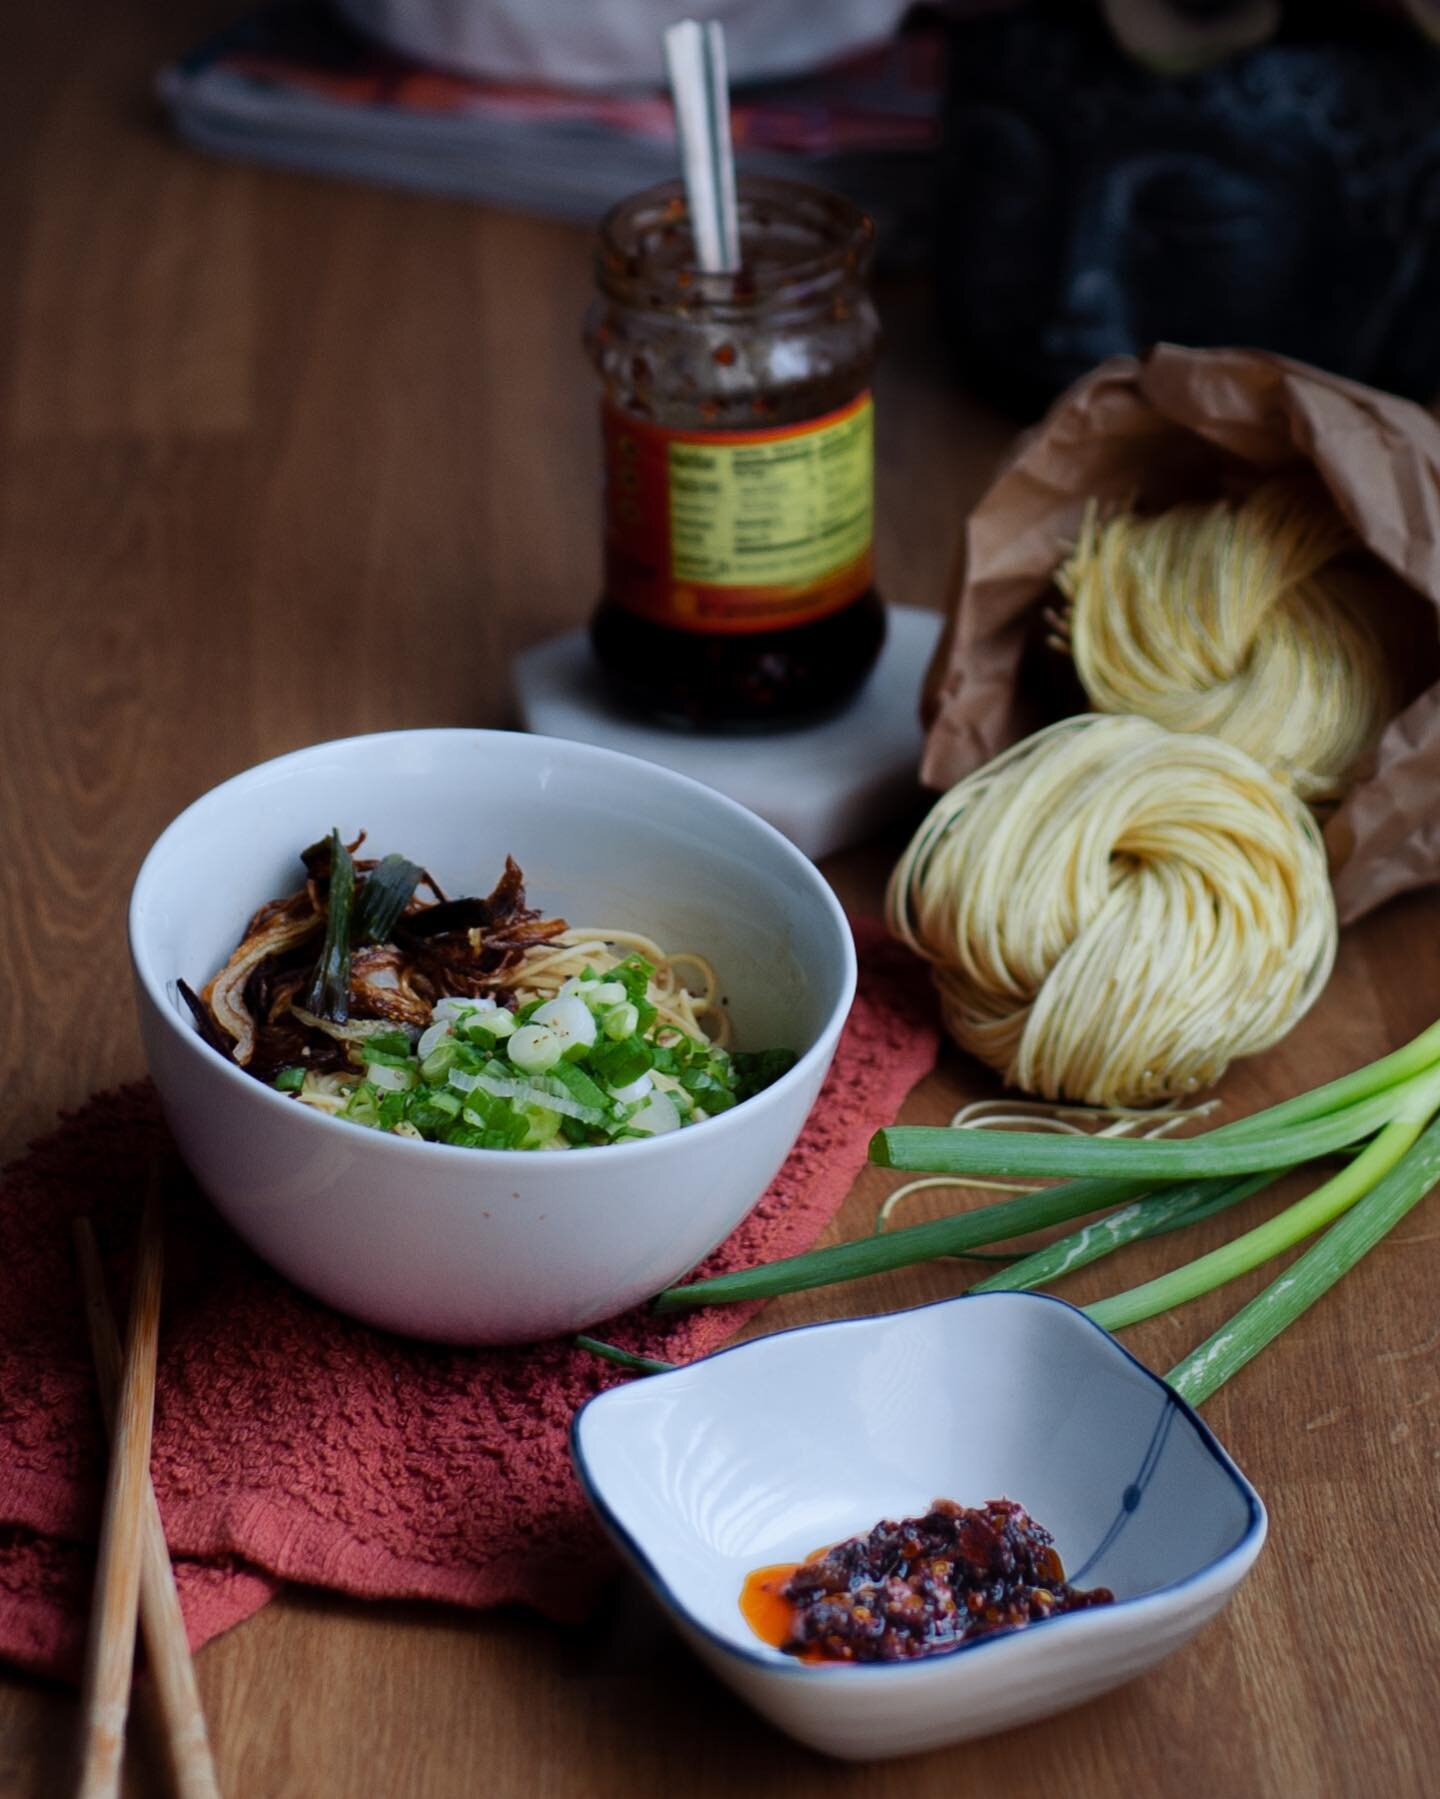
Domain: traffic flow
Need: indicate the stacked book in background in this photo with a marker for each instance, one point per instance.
(293, 86)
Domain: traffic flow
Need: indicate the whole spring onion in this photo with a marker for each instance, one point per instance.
(1420, 1101)
(1037, 1155)
(1384, 1106)
(1153, 1216)
(1243, 1336)
(1310, 1275)
(953, 1236)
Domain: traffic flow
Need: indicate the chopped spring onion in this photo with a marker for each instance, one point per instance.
(482, 1077)
(541, 1090)
(574, 1081)
(617, 1064)
(533, 1048)
(657, 1116)
(621, 1021)
(492, 1026)
(386, 1079)
(440, 1061)
(453, 1006)
(571, 1021)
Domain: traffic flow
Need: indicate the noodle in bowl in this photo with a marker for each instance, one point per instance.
(479, 1245)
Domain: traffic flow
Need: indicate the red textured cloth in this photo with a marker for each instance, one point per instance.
(294, 1444)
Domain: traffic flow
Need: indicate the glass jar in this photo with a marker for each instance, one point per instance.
(739, 464)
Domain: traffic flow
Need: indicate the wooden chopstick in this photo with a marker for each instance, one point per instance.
(171, 1669)
(110, 1651)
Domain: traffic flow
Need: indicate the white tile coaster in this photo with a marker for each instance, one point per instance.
(825, 786)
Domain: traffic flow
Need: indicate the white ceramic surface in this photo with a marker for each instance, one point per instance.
(766, 1452)
(490, 1246)
(824, 785)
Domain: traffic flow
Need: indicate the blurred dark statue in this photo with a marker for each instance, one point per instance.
(1286, 199)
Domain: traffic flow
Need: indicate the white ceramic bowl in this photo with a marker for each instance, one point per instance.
(490, 1246)
(765, 1452)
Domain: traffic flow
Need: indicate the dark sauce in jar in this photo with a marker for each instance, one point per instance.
(739, 463)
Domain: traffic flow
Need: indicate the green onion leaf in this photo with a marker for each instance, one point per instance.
(1014, 1217)
(579, 1085)
(444, 1057)
(757, 1069)
(1283, 1231)
(1168, 1210)
(1027, 1155)
(329, 992)
(617, 1064)
(363, 1105)
(464, 1136)
(388, 890)
(624, 1358)
(633, 975)
(1310, 1275)
(290, 1080)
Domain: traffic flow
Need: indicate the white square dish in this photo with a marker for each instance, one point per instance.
(764, 1452)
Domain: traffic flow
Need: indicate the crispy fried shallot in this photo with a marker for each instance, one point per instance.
(465, 947)
(225, 993)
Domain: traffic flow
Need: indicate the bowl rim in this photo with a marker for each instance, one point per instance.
(1243, 1550)
(154, 986)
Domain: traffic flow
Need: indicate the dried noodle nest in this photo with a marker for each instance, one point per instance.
(1113, 911)
(1248, 622)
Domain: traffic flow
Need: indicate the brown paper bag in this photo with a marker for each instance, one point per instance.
(1183, 424)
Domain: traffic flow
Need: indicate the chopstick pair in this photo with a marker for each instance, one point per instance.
(134, 1574)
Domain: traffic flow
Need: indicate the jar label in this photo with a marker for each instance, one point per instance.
(730, 531)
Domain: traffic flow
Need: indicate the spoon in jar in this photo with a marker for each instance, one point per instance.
(695, 62)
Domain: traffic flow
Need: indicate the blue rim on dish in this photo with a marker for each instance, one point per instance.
(779, 1663)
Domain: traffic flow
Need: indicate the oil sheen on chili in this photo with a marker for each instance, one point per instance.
(916, 1587)
(739, 461)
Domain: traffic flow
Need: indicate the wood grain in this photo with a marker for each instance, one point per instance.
(281, 459)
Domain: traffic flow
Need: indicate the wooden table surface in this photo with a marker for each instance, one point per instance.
(282, 460)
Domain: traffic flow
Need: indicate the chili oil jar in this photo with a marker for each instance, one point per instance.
(739, 461)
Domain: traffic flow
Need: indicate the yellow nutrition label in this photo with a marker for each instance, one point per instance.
(778, 510)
